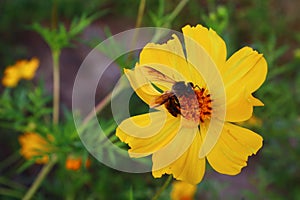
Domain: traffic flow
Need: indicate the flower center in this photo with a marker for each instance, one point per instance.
(192, 102)
(195, 106)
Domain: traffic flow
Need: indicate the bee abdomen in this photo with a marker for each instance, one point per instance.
(173, 106)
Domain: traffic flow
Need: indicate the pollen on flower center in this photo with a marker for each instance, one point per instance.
(196, 106)
(191, 102)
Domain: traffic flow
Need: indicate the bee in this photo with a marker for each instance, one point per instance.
(180, 99)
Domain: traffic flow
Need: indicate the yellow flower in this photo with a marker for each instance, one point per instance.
(21, 70)
(74, 163)
(28, 68)
(183, 191)
(183, 131)
(34, 145)
(11, 77)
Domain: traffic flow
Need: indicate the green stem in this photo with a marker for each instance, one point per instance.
(54, 15)
(140, 13)
(170, 18)
(98, 108)
(56, 85)
(138, 23)
(41, 176)
(165, 185)
(120, 87)
(177, 10)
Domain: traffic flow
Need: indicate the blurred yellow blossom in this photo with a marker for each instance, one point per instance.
(28, 68)
(183, 191)
(34, 145)
(22, 69)
(11, 77)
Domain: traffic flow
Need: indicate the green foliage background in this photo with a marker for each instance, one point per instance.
(270, 26)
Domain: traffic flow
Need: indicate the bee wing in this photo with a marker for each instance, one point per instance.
(162, 99)
(155, 75)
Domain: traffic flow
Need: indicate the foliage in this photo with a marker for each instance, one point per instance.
(28, 107)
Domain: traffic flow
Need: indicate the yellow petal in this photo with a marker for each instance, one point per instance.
(187, 167)
(255, 102)
(245, 67)
(168, 55)
(202, 48)
(239, 104)
(147, 133)
(231, 152)
(210, 132)
(209, 40)
(142, 87)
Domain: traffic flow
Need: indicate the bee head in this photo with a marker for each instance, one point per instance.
(180, 88)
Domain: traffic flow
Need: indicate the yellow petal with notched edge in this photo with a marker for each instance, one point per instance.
(142, 87)
(168, 55)
(188, 167)
(200, 56)
(147, 133)
(239, 104)
(231, 152)
(209, 40)
(246, 67)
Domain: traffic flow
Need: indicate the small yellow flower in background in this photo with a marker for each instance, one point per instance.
(74, 163)
(34, 145)
(183, 191)
(28, 68)
(175, 134)
(11, 77)
(22, 69)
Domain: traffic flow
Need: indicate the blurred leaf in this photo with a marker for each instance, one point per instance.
(60, 37)
(218, 19)
(131, 193)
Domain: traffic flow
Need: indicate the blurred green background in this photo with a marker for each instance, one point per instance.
(270, 26)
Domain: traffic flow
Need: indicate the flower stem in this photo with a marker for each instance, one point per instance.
(140, 13)
(163, 187)
(56, 85)
(170, 18)
(138, 23)
(177, 10)
(113, 94)
(37, 182)
(98, 108)
(54, 15)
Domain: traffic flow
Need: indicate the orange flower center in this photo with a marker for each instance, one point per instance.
(196, 106)
(192, 102)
